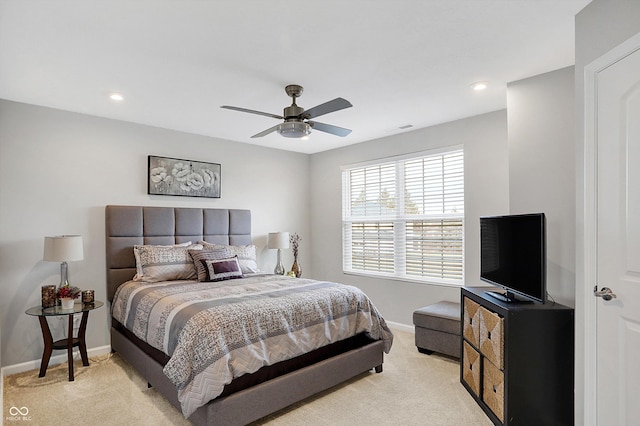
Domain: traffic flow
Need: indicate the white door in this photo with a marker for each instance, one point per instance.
(618, 242)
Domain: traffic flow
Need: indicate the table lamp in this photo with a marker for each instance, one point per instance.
(278, 240)
(63, 248)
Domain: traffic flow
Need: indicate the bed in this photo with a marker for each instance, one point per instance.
(278, 382)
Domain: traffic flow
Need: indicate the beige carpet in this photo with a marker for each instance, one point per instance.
(414, 389)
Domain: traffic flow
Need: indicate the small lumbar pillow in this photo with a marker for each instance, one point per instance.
(223, 269)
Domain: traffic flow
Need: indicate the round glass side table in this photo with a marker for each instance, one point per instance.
(70, 342)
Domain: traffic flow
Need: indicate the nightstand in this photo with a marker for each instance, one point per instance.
(70, 342)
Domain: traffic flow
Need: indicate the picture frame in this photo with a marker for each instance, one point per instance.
(186, 178)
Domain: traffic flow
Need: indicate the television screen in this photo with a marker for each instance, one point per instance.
(513, 255)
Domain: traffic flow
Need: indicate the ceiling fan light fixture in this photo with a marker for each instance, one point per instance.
(294, 129)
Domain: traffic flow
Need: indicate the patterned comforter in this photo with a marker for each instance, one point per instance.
(215, 331)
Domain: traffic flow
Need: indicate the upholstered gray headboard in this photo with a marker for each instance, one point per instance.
(127, 226)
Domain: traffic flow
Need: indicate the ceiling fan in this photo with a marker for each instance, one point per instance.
(296, 120)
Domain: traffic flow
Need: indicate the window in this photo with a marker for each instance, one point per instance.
(404, 217)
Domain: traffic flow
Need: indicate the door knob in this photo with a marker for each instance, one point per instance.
(605, 293)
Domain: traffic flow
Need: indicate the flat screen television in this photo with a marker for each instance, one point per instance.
(513, 256)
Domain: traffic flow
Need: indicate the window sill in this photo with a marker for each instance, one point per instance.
(403, 279)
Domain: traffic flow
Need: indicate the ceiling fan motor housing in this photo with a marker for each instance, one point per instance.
(293, 111)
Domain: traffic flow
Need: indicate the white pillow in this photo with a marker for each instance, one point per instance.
(165, 263)
(136, 254)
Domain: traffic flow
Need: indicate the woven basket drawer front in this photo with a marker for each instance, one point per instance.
(492, 337)
(493, 388)
(471, 367)
(471, 328)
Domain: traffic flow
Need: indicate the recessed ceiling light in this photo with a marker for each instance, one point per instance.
(116, 97)
(479, 85)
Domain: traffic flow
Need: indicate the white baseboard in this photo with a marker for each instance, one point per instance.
(401, 327)
(55, 360)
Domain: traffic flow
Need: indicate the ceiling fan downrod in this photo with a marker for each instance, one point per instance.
(293, 112)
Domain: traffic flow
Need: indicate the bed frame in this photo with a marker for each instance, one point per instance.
(130, 225)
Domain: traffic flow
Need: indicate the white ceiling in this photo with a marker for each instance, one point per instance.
(399, 62)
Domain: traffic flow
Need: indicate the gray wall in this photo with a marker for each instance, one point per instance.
(59, 169)
(542, 167)
(486, 192)
(600, 27)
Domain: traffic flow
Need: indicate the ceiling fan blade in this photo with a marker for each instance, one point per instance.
(266, 132)
(335, 105)
(328, 128)
(251, 111)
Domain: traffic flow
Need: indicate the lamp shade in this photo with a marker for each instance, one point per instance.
(63, 248)
(278, 240)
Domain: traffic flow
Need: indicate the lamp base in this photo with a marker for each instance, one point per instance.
(279, 270)
(64, 276)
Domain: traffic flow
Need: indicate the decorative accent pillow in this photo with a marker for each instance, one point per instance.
(200, 256)
(162, 263)
(223, 269)
(246, 255)
(136, 254)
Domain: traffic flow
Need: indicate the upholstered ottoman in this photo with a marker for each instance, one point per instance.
(438, 328)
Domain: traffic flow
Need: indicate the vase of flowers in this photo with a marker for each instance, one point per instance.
(295, 239)
(67, 295)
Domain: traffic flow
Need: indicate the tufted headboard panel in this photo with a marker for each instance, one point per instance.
(127, 226)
